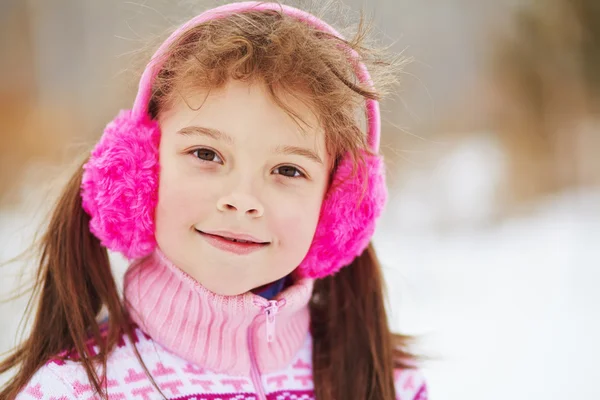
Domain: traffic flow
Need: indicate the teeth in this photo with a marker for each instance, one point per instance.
(239, 241)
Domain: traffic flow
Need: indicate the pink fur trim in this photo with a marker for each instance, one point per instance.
(120, 185)
(348, 217)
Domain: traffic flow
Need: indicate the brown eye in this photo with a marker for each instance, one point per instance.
(207, 155)
(289, 171)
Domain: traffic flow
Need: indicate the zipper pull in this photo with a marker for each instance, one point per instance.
(271, 311)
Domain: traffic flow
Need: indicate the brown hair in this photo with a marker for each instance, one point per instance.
(348, 319)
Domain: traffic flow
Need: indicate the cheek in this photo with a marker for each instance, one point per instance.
(181, 201)
(296, 223)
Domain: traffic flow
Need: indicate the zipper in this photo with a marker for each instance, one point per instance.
(270, 308)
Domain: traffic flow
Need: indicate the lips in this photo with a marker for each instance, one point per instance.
(237, 240)
(239, 244)
(234, 237)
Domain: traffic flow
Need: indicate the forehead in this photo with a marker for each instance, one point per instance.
(241, 107)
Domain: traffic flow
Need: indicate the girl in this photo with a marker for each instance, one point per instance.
(244, 192)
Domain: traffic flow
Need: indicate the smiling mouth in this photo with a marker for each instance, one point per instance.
(238, 240)
(232, 239)
(235, 245)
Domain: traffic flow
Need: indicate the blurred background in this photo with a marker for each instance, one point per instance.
(489, 241)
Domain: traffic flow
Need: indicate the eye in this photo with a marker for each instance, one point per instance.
(207, 155)
(289, 171)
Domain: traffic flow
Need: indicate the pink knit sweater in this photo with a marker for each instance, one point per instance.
(201, 346)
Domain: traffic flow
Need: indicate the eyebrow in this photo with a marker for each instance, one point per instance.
(220, 135)
(203, 131)
(299, 151)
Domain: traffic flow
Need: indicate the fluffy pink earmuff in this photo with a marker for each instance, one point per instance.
(119, 189)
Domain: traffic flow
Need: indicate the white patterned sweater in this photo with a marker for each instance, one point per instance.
(201, 346)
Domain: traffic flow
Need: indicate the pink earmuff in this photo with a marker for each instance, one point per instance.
(119, 188)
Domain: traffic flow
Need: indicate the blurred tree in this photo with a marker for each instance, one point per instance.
(32, 132)
(546, 75)
(588, 15)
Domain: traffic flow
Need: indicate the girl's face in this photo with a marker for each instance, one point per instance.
(236, 166)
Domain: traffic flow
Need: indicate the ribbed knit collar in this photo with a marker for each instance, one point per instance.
(224, 334)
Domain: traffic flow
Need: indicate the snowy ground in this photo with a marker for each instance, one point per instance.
(505, 311)
(510, 312)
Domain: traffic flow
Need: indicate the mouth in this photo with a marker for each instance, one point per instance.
(232, 242)
(233, 237)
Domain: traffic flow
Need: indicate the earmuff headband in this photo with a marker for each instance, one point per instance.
(142, 100)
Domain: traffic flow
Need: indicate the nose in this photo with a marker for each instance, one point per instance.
(240, 203)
